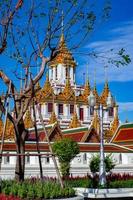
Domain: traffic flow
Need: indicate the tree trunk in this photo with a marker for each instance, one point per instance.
(20, 146)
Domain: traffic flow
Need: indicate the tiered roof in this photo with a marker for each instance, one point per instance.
(63, 55)
(68, 93)
(124, 134)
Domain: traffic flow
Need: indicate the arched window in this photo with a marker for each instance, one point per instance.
(50, 107)
(71, 109)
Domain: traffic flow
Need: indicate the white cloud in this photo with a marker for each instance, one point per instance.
(116, 38)
(125, 106)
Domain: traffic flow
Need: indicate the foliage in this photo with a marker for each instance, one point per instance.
(113, 181)
(65, 168)
(121, 184)
(65, 149)
(36, 189)
(78, 181)
(95, 162)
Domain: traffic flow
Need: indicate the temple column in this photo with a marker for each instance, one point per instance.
(50, 73)
(78, 110)
(56, 109)
(115, 111)
(71, 75)
(54, 74)
(44, 110)
(64, 74)
(105, 116)
(86, 112)
(66, 111)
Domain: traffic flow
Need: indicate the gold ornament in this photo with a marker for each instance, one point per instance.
(75, 121)
(28, 122)
(104, 94)
(53, 118)
(95, 93)
(45, 92)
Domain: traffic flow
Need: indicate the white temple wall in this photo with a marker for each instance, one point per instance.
(66, 111)
(79, 165)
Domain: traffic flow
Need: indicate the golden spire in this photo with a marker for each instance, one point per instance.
(46, 90)
(87, 90)
(96, 122)
(63, 55)
(75, 121)
(114, 125)
(28, 122)
(104, 95)
(95, 93)
(68, 91)
(53, 118)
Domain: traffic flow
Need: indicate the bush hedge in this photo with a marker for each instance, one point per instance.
(36, 189)
(49, 188)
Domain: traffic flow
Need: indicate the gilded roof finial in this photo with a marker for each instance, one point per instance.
(87, 88)
(63, 56)
(46, 90)
(96, 94)
(62, 23)
(95, 89)
(75, 121)
(68, 90)
(105, 93)
(28, 120)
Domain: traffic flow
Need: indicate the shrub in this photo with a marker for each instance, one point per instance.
(95, 162)
(65, 149)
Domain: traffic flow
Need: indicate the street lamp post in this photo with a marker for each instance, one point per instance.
(92, 102)
(102, 171)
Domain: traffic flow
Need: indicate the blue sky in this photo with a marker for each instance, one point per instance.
(116, 33)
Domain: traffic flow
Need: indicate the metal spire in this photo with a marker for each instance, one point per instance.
(62, 22)
(105, 73)
(94, 77)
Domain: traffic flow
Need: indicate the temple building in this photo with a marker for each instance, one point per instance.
(62, 100)
(68, 113)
